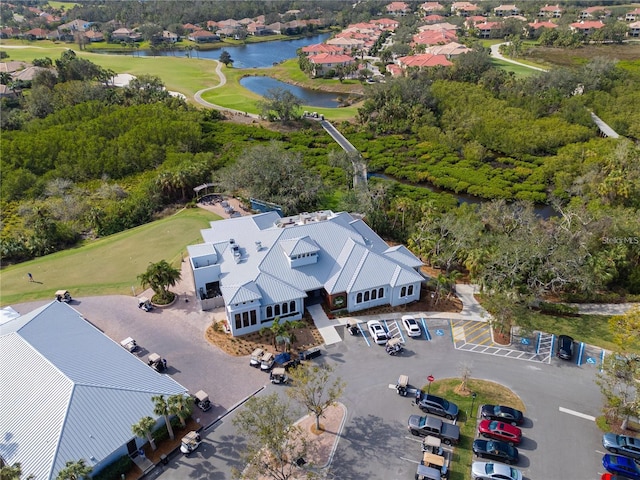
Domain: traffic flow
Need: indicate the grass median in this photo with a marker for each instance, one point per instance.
(486, 392)
(109, 265)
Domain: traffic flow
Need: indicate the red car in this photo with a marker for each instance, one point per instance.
(500, 431)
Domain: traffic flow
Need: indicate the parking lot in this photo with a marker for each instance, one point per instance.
(560, 439)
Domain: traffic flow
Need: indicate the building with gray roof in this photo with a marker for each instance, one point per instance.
(69, 392)
(263, 266)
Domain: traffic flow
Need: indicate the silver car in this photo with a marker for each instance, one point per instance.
(622, 445)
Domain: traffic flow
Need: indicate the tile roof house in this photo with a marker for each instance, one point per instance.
(125, 34)
(324, 62)
(423, 60)
(546, 24)
(94, 36)
(385, 23)
(433, 18)
(506, 11)
(633, 15)
(464, 9)
(594, 12)
(552, 11)
(69, 392)
(586, 27)
(347, 44)
(430, 7)
(322, 48)
(435, 37)
(76, 25)
(449, 50)
(398, 9)
(634, 29)
(264, 266)
(37, 34)
(203, 36)
(485, 29)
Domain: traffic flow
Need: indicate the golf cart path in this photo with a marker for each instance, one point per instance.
(223, 81)
(495, 52)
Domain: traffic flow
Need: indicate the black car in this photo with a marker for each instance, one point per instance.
(565, 347)
(502, 413)
(436, 405)
(495, 450)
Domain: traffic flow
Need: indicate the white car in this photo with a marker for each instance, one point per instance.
(377, 331)
(411, 326)
(494, 471)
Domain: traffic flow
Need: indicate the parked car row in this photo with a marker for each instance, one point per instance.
(624, 459)
(498, 435)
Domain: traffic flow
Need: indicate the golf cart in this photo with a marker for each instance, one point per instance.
(394, 346)
(267, 361)
(63, 296)
(432, 444)
(427, 473)
(202, 400)
(129, 344)
(157, 363)
(435, 461)
(190, 442)
(278, 375)
(402, 385)
(145, 304)
(352, 328)
(256, 357)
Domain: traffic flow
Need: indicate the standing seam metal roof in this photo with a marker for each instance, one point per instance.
(68, 391)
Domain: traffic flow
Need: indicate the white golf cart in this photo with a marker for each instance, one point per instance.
(63, 296)
(145, 304)
(129, 344)
(256, 357)
(190, 442)
(202, 400)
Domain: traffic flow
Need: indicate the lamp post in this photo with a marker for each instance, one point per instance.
(473, 399)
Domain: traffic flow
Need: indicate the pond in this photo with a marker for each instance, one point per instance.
(313, 98)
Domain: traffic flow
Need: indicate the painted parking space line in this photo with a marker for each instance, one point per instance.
(426, 329)
(577, 414)
(410, 460)
(364, 335)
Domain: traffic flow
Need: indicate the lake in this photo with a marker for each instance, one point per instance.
(252, 55)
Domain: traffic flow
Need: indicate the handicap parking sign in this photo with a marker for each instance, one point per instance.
(440, 332)
(524, 341)
(591, 360)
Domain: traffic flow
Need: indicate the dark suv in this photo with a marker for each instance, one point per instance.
(565, 347)
(436, 405)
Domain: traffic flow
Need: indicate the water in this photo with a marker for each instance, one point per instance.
(543, 211)
(252, 55)
(313, 98)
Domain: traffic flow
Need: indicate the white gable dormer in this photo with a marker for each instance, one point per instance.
(300, 251)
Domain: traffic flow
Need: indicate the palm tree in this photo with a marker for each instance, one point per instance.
(74, 471)
(160, 276)
(181, 406)
(144, 428)
(161, 408)
(13, 472)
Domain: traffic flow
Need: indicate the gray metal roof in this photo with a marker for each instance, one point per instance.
(299, 246)
(68, 391)
(351, 256)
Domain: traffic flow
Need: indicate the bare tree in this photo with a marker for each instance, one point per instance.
(313, 388)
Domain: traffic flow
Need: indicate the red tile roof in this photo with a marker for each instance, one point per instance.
(588, 25)
(322, 48)
(537, 25)
(424, 60)
(435, 37)
(328, 58)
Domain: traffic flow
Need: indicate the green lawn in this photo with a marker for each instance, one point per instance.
(62, 5)
(518, 70)
(486, 392)
(109, 265)
(591, 329)
(185, 75)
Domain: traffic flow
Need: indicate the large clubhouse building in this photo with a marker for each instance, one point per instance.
(263, 266)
